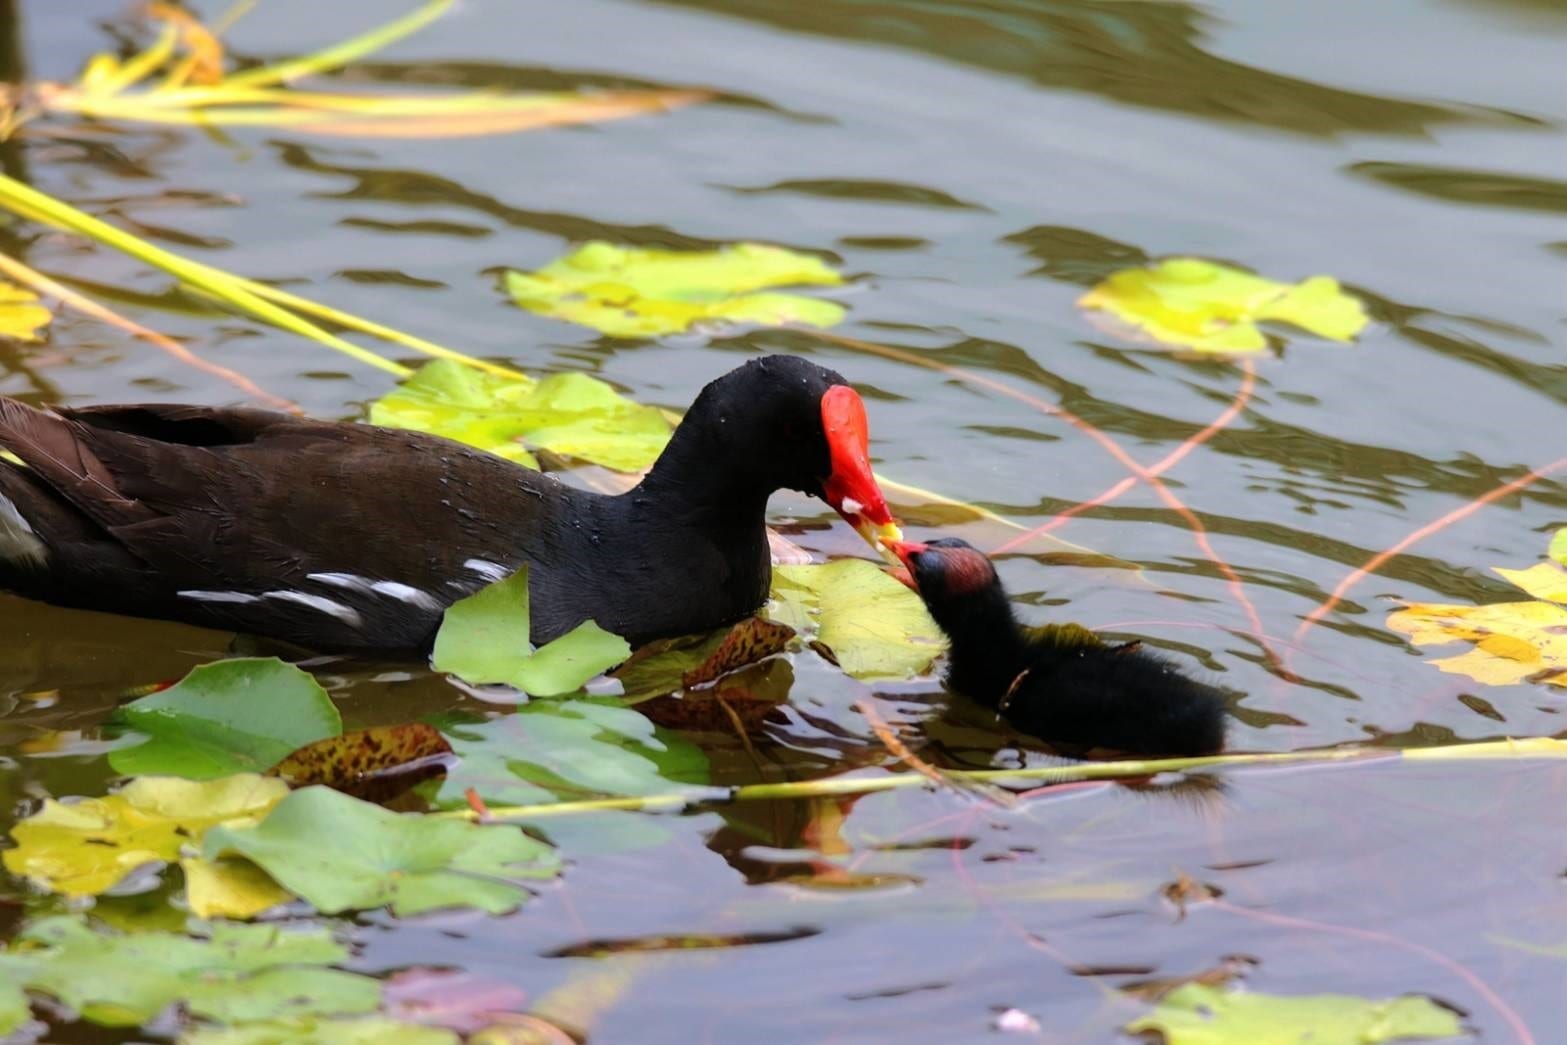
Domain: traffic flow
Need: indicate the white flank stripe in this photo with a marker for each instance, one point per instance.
(490, 571)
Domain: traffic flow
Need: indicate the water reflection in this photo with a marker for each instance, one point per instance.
(1138, 52)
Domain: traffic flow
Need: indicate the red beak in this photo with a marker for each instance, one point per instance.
(906, 550)
(850, 487)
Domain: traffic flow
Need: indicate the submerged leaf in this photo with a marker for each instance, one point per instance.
(1214, 308)
(342, 854)
(21, 317)
(645, 292)
(1197, 1014)
(461, 1001)
(85, 847)
(238, 973)
(873, 626)
(233, 716)
(569, 749)
(1513, 641)
(573, 415)
(483, 639)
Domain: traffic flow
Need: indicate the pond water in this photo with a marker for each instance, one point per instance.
(974, 167)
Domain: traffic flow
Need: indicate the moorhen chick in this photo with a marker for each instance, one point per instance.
(1059, 683)
(352, 537)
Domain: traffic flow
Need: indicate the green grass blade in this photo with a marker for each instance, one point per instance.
(371, 327)
(28, 202)
(141, 66)
(339, 55)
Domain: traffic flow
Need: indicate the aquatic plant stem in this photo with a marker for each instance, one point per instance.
(27, 201)
(1377, 561)
(1170, 460)
(44, 285)
(1193, 523)
(1533, 747)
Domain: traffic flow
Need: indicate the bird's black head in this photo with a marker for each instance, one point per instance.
(960, 588)
(779, 422)
(957, 581)
(947, 569)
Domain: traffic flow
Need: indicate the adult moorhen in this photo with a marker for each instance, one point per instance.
(1058, 683)
(352, 537)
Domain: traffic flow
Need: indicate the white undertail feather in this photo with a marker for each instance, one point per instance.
(18, 543)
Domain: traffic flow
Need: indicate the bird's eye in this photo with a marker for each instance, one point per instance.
(788, 430)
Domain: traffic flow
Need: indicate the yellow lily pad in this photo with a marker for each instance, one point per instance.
(643, 292)
(573, 415)
(21, 316)
(83, 848)
(227, 888)
(1214, 308)
(874, 627)
(1513, 641)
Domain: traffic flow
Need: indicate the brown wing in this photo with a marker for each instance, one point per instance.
(331, 535)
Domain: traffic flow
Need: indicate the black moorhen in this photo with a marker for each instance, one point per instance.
(353, 537)
(1059, 683)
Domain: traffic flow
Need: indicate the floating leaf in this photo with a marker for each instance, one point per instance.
(310, 1030)
(644, 292)
(376, 764)
(740, 702)
(1197, 1014)
(873, 626)
(1214, 308)
(85, 847)
(573, 415)
(238, 973)
(21, 317)
(234, 716)
(1513, 641)
(342, 854)
(694, 660)
(229, 888)
(1558, 547)
(483, 639)
(751, 640)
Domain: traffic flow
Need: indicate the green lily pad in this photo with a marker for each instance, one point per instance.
(1214, 308)
(1197, 1014)
(573, 415)
(234, 716)
(643, 292)
(551, 751)
(342, 854)
(569, 749)
(311, 1030)
(483, 639)
(237, 973)
(874, 627)
(1558, 547)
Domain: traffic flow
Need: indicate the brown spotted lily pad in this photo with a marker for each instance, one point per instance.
(375, 764)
